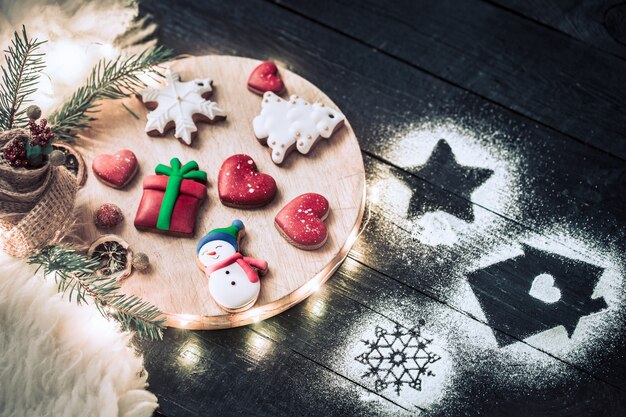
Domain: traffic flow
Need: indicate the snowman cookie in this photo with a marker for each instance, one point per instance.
(233, 278)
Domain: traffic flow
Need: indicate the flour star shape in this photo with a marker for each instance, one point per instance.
(462, 179)
(398, 358)
(180, 104)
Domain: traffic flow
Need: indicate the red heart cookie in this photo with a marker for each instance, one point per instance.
(265, 78)
(301, 221)
(115, 170)
(240, 185)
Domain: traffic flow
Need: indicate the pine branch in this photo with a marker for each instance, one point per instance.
(75, 273)
(19, 79)
(111, 79)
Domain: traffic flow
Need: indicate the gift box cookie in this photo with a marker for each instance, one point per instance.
(171, 199)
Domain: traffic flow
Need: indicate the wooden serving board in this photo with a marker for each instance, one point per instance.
(334, 168)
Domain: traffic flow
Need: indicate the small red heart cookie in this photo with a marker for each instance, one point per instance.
(301, 221)
(240, 185)
(115, 170)
(264, 78)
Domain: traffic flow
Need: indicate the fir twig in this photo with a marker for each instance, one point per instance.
(19, 79)
(76, 273)
(111, 79)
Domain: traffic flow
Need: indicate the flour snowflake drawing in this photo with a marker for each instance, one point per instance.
(397, 358)
(181, 105)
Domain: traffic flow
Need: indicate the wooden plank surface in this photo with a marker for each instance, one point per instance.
(598, 23)
(551, 84)
(432, 223)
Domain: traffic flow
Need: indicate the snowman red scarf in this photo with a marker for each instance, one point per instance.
(244, 262)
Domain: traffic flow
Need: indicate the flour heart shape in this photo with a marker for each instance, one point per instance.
(544, 290)
(115, 170)
(264, 78)
(301, 221)
(240, 185)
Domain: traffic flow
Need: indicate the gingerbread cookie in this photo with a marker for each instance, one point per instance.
(265, 78)
(301, 221)
(171, 199)
(115, 170)
(180, 104)
(287, 124)
(241, 185)
(233, 278)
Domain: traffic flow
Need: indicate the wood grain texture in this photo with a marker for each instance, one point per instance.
(387, 100)
(440, 272)
(175, 284)
(241, 372)
(568, 85)
(390, 277)
(324, 330)
(598, 23)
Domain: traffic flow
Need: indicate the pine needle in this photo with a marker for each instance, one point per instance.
(112, 79)
(19, 79)
(76, 275)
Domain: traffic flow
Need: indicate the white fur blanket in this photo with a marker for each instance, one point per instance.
(60, 359)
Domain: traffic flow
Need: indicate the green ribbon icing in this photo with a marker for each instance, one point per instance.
(176, 175)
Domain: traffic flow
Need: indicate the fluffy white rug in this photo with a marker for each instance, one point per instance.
(59, 359)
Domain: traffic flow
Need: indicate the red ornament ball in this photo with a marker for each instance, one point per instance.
(108, 216)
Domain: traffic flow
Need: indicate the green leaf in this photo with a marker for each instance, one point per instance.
(20, 74)
(109, 79)
(76, 275)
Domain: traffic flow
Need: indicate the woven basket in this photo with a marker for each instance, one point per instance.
(35, 206)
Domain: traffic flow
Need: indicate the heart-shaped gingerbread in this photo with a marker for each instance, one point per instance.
(301, 221)
(241, 185)
(115, 170)
(264, 78)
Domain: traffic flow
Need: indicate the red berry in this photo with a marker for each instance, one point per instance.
(40, 133)
(15, 153)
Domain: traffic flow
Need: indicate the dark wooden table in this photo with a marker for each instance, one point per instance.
(489, 276)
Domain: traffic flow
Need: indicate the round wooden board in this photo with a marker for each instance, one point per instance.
(334, 168)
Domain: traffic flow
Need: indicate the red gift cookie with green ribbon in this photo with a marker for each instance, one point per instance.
(171, 199)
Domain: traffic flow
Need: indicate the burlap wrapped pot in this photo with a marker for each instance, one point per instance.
(35, 204)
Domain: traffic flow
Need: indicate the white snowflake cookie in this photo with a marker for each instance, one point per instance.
(180, 104)
(295, 123)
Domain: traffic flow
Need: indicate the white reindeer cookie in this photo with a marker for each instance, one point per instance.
(181, 105)
(233, 278)
(295, 123)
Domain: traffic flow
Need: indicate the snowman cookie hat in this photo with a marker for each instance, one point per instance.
(228, 234)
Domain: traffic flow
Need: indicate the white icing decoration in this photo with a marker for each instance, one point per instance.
(221, 288)
(294, 121)
(178, 102)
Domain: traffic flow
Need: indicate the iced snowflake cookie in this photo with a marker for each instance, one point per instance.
(181, 105)
(287, 124)
(301, 221)
(241, 185)
(233, 278)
